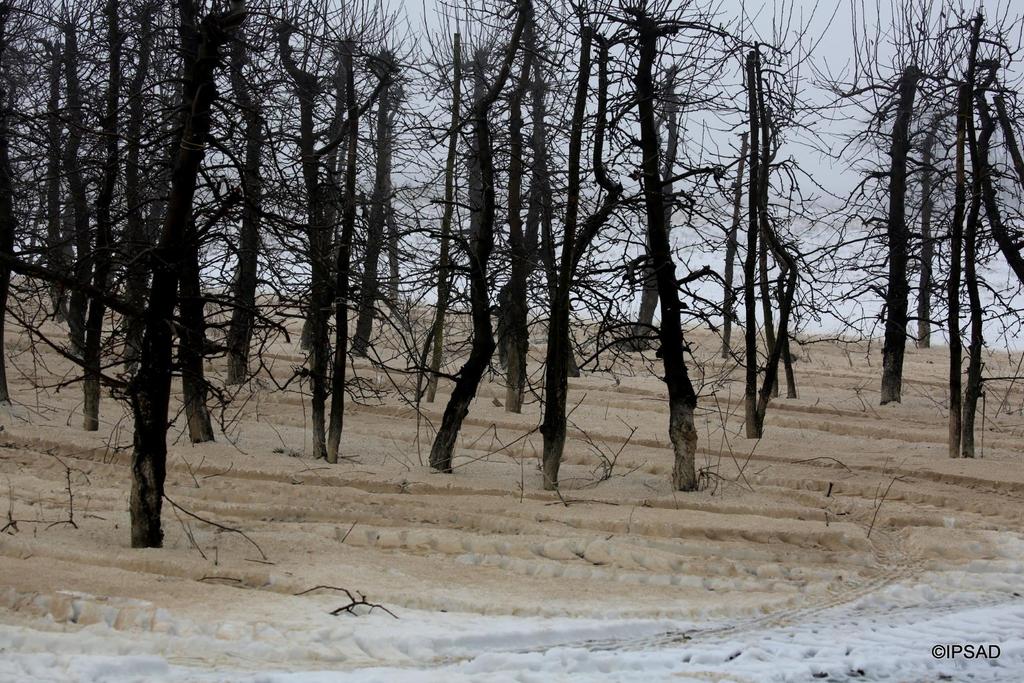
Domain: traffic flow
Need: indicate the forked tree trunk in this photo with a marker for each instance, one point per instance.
(319, 238)
(575, 243)
(768, 240)
(731, 244)
(444, 279)
(898, 284)
(924, 289)
(556, 386)
(682, 399)
(240, 329)
(481, 245)
(514, 336)
(101, 256)
(151, 387)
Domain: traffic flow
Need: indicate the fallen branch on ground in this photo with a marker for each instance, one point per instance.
(356, 599)
(222, 527)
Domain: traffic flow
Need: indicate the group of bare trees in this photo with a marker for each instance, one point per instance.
(952, 201)
(180, 181)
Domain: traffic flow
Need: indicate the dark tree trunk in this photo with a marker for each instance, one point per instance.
(8, 224)
(192, 342)
(151, 387)
(101, 256)
(1009, 244)
(343, 264)
(778, 348)
(731, 244)
(753, 429)
(978, 144)
(556, 386)
(649, 293)
(59, 255)
(481, 245)
(436, 337)
(972, 390)
(898, 285)
(192, 336)
(77, 302)
(964, 124)
(575, 244)
(764, 282)
(394, 257)
(514, 335)
(240, 329)
(784, 336)
(376, 226)
(137, 235)
(319, 237)
(682, 399)
(924, 289)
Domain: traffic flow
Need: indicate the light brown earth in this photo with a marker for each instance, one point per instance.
(764, 543)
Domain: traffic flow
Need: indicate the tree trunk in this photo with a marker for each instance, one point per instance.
(1009, 244)
(784, 336)
(924, 289)
(192, 342)
(240, 329)
(898, 287)
(964, 121)
(481, 245)
(394, 257)
(77, 302)
(137, 238)
(753, 429)
(318, 235)
(778, 348)
(575, 244)
(377, 223)
(979, 148)
(514, 334)
(764, 282)
(58, 249)
(556, 385)
(8, 222)
(649, 294)
(682, 398)
(343, 264)
(151, 387)
(102, 251)
(436, 337)
(731, 244)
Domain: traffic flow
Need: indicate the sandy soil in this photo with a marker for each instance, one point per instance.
(843, 500)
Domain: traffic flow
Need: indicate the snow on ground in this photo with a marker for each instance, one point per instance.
(843, 546)
(877, 643)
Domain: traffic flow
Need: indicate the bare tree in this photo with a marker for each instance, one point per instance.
(151, 387)
(481, 244)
